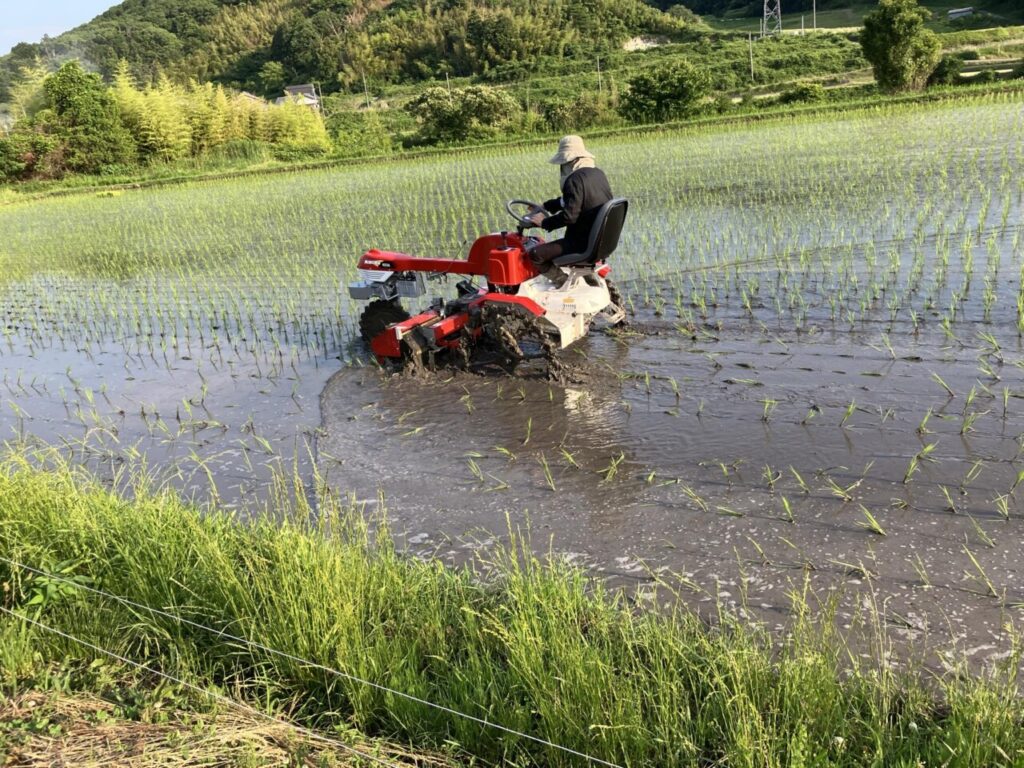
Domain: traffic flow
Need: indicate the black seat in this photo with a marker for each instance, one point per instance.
(604, 235)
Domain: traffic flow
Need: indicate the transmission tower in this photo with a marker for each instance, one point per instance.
(772, 22)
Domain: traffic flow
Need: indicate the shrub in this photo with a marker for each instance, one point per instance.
(461, 113)
(12, 165)
(582, 112)
(724, 103)
(358, 134)
(667, 92)
(947, 72)
(803, 92)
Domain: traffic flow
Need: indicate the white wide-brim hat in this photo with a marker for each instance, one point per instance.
(570, 148)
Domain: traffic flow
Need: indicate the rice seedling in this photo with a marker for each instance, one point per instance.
(728, 511)
(548, 477)
(569, 457)
(921, 570)
(922, 427)
(812, 412)
(800, 481)
(499, 484)
(507, 453)
(979, 575)
(915, 461)
(787, 510)
(943, 384)
(983, 537)
(870, 523)
(696, 498)
(848, 413)
(609, 472)
(842, 492)
(1002, 505)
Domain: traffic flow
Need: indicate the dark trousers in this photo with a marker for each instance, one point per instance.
(545, 253)
(543, 257)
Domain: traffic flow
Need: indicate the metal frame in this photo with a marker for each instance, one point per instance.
(772, 22)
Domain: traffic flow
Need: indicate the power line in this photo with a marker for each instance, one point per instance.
(199, 689)
(311, 664)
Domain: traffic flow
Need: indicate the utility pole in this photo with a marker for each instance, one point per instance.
(750, 42)
(772, 18)
(814, 17)
(320, 106)
(366, 91)
(600, 85)
(448, 82)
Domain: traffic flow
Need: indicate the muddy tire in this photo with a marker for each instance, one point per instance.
(616, 299)
(378, 315)
(516, 337)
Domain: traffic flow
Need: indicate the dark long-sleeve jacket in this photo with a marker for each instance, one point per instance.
(583, 194)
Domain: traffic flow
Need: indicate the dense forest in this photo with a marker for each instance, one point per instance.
(260, 45)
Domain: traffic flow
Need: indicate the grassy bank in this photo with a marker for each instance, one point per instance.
(531, 646)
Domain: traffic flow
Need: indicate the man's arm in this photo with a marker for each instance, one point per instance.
(554, 205)
(572, 205)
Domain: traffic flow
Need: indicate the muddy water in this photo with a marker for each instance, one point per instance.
(673, 456)
(207, 422)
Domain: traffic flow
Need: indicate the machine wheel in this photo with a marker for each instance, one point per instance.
(378, 315)
(516, 337)
(616, 298)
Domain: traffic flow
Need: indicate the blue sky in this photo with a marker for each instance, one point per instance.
(28, 20)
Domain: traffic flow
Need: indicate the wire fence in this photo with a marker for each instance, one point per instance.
(312, 735)
(252, 644)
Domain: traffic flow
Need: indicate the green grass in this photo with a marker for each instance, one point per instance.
(531, 645)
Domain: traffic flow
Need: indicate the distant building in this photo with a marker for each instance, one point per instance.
(959, 13)
(253, 97)
(305, 95)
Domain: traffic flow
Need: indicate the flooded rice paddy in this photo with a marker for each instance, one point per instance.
(822, 386)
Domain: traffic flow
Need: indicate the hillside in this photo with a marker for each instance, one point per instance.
(259, 45)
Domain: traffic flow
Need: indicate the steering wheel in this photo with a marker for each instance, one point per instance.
(511, 205)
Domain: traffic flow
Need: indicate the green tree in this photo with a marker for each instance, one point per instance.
(296, 131)
(902, 52)
(271, 78)
(358, 134)
(668, 92)
(26, 92)
(85, 118)
(462, 113)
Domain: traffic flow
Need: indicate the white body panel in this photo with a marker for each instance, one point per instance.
(569, 310)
